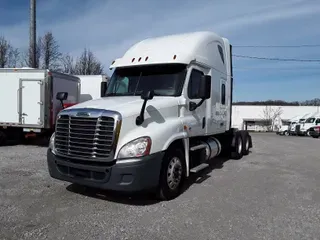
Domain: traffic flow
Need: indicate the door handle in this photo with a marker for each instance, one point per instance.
(24, 114)
(18, 98)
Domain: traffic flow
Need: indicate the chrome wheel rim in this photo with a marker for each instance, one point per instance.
(174, 173)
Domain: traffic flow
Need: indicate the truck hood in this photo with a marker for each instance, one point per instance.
(129, 105)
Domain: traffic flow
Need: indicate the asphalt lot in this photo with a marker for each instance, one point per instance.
(274, 193)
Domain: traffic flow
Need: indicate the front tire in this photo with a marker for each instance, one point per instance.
(172, 174)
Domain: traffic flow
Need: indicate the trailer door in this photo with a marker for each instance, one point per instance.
(30, 103)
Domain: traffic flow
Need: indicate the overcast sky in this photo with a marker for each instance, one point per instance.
(108, 28)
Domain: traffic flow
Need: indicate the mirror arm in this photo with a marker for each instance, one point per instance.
(193, 106)
(61, 104)
(140, 118)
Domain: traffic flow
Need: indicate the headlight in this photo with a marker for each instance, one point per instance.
(136, 148)
(51, 143)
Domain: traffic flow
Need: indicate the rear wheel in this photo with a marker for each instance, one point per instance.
(172, 174)
(238, 150)
(3, 138)
(246, 145)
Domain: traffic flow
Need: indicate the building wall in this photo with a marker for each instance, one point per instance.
(241, 113)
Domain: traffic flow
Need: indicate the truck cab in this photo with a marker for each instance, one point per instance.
(165, 113)
(298, 128)
(309, 123)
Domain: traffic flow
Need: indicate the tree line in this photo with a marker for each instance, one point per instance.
(312, 102)
(49, 56)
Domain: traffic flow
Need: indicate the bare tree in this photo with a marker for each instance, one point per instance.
(270, 116)
(4, 52)
(67, 64)
(13, 57)
(9, 56)
(88, 64)
(50, 53)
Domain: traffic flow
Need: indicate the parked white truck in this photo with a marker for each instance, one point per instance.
(294, 126)
(28, 100)
(298, 125)
(165, 113)
(310, 122)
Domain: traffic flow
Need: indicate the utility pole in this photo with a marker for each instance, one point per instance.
(33, 46)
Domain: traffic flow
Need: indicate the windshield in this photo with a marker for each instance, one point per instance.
(164, 79)
(310, 120)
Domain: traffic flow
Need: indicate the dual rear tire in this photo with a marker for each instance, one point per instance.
(241, 145)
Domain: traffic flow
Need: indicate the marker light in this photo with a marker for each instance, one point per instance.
(174, 57)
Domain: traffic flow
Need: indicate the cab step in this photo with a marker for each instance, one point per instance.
(199, 167)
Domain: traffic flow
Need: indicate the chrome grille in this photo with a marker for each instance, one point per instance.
(83, 137)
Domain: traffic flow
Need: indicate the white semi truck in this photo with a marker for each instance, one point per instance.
(28, 101)
(296, 129)
(165, 113)
(310, 122)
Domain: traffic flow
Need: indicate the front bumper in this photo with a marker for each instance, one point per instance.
(141, 174)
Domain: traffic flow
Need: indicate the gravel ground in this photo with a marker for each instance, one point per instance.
(274, 193)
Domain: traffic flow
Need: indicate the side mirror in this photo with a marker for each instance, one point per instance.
(62, 96)
(205, 87)
(103, 88)
(147, 95)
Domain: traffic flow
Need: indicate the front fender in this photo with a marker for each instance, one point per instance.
(162, 134)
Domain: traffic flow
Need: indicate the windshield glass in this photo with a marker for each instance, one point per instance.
(164, 79)
(310, 120)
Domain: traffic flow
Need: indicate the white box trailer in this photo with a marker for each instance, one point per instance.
(91, 86)
(28, 99)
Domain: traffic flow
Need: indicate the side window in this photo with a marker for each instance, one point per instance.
(223, 94)
(221, 53)
(318, 121)
(193, 87)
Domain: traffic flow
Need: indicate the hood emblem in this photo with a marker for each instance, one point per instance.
(83, 114)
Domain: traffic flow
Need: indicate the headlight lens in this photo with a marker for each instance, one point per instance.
(51, 143)
(136, 148)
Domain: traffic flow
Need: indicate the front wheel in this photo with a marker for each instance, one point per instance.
(172, 174)
(315, 136)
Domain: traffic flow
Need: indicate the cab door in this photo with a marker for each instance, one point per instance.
(195, 120)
